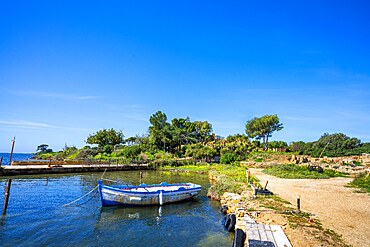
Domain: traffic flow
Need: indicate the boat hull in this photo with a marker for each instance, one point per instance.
(153, 194)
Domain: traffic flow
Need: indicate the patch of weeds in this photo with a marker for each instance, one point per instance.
(279, 199)
(293, 171)
(357, 163)
(362, 181)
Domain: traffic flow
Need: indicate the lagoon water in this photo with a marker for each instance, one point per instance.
(36, 215)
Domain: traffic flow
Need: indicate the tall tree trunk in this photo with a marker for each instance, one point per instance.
(267, 142)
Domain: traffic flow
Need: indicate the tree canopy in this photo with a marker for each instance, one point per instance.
(106, 137)
(263, 127)
(332, 145)
(43, 148)
(181, 131)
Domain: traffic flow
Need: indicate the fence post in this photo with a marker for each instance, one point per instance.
(7, 193)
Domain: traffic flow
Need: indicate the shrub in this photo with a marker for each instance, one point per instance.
(362, 181)
(108, 149)
(228, 158)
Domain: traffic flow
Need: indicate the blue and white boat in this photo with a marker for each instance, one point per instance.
(154, 194)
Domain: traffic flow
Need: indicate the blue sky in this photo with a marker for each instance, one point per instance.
(70, 68)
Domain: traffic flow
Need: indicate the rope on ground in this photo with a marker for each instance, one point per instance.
(91, 191)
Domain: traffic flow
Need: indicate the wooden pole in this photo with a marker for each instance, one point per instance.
(298, 204)
(264, 188)
(248, 176)
(7, 193)
(11, 152)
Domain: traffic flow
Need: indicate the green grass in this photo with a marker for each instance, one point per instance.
(362, 182)
(231, 178)
(293, 171)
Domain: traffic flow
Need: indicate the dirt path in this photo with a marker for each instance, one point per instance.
(337, 207)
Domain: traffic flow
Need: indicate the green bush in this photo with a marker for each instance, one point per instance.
(228, 158)
(108, 149)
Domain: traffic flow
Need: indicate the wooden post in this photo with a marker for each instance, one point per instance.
(298, 204)
(11, 152)
(141, 177)
(7, 193)
(248, 175)
(264, 188)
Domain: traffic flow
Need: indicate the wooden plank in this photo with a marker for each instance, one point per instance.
(262, 232)
(270, 235)
(248, 219)
(281, 239)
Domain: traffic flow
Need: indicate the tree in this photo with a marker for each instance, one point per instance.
(263, 127)
(160, 131)
(43, 148)
(106, 137)
(203, 131)
(334, 145)
(198, 151)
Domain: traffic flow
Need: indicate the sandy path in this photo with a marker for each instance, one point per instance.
(337, 207)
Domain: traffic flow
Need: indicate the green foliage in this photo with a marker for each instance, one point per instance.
(228, 158)
(170, 137)
(172, 162)
(332, 145)
(43, 148)
(69, 150)
(199, 151)
(106, 137)
(239, 145)
(277, 144)
(86, 153)
(362, 181)
(131, 151)
(293, 171)
(108, 149)
(46, 156)
(263, 127)
(160, 135)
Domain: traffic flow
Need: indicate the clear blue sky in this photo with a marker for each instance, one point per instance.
(70, 68)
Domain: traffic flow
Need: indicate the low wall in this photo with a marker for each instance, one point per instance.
(46, 169)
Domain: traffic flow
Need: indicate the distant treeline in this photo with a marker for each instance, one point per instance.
(182, 138)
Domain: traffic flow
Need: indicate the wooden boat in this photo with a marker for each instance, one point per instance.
(155, 194)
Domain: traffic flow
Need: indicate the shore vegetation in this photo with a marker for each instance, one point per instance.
(362, 181)
(293, 171)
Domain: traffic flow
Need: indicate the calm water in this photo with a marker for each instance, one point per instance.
(36, 217)
(16, 156)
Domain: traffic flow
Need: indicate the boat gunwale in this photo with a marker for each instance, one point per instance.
(128, 191)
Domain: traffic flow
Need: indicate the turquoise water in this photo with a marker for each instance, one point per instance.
(36, 215)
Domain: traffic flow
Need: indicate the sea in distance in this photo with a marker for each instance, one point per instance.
(15, 157)
(37, 214)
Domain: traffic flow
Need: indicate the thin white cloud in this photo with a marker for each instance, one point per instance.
(22, 124)
(63, 96)
(303, 119)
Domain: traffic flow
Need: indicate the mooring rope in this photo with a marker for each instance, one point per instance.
(91, 191)
(89, 199)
